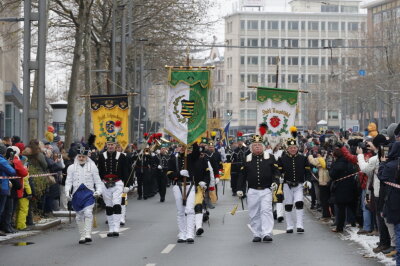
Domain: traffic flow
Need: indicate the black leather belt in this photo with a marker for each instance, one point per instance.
(180, 183)
(292, 184)
(260, 188)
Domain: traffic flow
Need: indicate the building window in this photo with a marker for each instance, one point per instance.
(271, 78)
(293, 61)
(252, 60)
(262, 60)
(262, 42)
(242, 41)
(252, 24)
(242, 78)
(242, 114)
(252, 42)
(242, 60)
(8, 120)
(329, 8)
(252, 95)
(343, 26)
(352, 42)
(323, 78)
(323, 63)
(282, 60)
(349, 9)
(334, 26)
(273, 43)
(263, 24)
(322, 25)
(273, 25)
(303, 25)
(313, 25)
(333, 115)
(352, 26)
(283, 25)
(272, 60)
(229, 27)
(335, 43)
(293, 43)
(333, 61)
(242, 24)
(313, 43)
(293, 25)
(313, 79)
(242, 94)
(303, 60)
(293, 78)
(313, 61)
(251, 114)
(252, 78)
(262, 79)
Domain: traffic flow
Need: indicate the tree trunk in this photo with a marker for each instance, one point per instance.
(86, 52)
(73, 85)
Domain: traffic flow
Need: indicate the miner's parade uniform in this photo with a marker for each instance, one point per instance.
(161, 160)
(185, 209)
(259, 171)
(238, 157)
(113, 172)
(295, 169)
(144, 171)
(128, 183)
(84, 180)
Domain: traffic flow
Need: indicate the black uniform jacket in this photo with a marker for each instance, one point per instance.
(114, 164)
(177, 163)
(294, 168)
(259, 172)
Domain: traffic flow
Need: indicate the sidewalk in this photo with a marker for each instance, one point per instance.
(367, 243)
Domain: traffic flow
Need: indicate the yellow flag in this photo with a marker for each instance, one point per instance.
(110, 116)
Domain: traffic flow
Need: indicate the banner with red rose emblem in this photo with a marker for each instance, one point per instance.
(276, 108)
(110, 117)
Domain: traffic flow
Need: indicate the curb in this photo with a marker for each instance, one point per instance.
(46, 226)
(64, 214)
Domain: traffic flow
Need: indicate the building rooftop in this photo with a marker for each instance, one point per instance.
(376, 3)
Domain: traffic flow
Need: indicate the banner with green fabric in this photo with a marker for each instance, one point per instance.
(277, 108)
(186, 107)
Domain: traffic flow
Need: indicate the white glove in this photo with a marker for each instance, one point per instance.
(202, 184)
(159, 167)
(184, 173)
(96, 194)
(239, 193)
(153, 154)
(158, 151)
(68, 196)
(131, 188)
(307, 184)
(274, 186)
(125, 190)
(216, 180)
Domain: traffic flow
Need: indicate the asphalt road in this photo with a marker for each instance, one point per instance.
(149, 238)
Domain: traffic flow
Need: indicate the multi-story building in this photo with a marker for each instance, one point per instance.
(10, 74)
(302, 48)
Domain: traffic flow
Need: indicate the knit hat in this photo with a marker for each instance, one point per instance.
(3, 149)
(390, 130)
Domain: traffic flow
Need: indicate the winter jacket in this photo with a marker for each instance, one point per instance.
(21, 172)
(353, 159)
(345, 190)
(370, 167)
(389, 171)
(323, 173)
(5, 170)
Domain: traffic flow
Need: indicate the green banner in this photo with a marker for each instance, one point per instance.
(197, 124)
(190, 77)
(277, 95)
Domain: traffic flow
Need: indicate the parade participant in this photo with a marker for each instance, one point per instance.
(113, 170)
(84, 180)
(204, 177)
(143, 167)
(258, 171)
(161, 160)
(295, 168)
(238, 156)
(128, 183)
(184, 203)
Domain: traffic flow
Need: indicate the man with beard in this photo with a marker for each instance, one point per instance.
(84, 180)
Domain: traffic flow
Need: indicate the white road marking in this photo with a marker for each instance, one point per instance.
(123, 229)
(168, 249)
(150, 264)
(103, 235)
(278, 232)
(95, 232)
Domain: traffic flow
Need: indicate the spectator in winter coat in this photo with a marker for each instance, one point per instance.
(344, 189)
(389, 172)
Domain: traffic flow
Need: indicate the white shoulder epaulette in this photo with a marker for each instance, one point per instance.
(250, 156)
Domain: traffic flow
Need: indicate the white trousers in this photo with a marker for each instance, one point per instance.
(112, 196)
(293, 195)
(84, 219)
(185, 214)
(260, 211)
(280, 209)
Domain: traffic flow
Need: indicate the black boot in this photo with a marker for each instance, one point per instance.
(257, 239)
(190, 241)
(267, 239)
(300, 230)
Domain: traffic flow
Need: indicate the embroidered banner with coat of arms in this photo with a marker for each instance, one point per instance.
(276, 108)
(110, 116)
(186, 107)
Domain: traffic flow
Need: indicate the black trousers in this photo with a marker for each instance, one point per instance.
(341, 215)
(384, 236)
(324, 194)
(162, 183)
(234, 180)
(140, 186)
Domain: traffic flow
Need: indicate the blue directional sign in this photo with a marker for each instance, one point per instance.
(361, 72)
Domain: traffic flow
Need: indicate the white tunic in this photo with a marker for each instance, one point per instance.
(87, 175)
